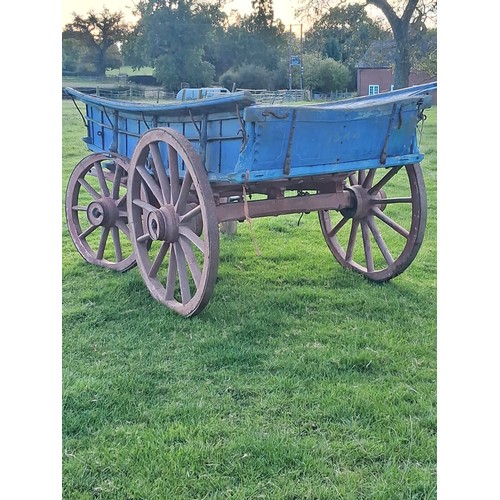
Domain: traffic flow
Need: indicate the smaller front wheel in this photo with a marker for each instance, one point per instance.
(96, 212)
(381, 234)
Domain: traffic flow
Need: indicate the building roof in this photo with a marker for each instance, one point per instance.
(380, 54)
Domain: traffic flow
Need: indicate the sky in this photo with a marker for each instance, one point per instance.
(283, 9)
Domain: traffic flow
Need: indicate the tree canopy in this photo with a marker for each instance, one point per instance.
(171, 36)
(407, 21)
(97, 33)
(344, 33)
(197, 42)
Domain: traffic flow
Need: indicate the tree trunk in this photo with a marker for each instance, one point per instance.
(100, 64)
(402, 65)
(400, 29)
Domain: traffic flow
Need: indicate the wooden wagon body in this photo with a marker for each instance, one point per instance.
(162, 177)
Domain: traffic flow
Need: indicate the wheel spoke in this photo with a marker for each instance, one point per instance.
(394, 225)
(173, 168)
(88, 231)
(144, 205)
(361, 176)
(115, 189)
(382, 182)
(160, 171)
(122, 200)
(123, 227)
(183, 276)
(89, 189)
(388, 201)
(79, 208)
(337, 227)
(100, 178)
(143, 238)
(189, 215)
(367, 247)
(352, 240)
(190, 235)
(116, 241)
(184, 192)
(191, 260)
(151, 183)
(171, 275)
(160, 257)
(352, 179)
(102, 243)
(369, 178)
(379, 240)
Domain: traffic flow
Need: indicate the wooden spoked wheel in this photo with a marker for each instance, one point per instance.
(382, 233)
(96, 212)
(173, 221)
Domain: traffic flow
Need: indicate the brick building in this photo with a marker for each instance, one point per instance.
(375, 71)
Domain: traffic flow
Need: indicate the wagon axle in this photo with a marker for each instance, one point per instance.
(103, 212)
(363, 202)
(163, 224)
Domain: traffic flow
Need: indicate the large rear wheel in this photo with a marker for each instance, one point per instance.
(173, 221)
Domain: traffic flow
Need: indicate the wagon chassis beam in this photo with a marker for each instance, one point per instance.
(285, 205)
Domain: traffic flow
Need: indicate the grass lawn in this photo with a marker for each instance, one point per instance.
(300, 380)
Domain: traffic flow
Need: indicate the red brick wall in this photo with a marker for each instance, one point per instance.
(374, 76)
(384, 78)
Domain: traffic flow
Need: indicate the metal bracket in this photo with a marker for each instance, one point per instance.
(286, 167)
(383, 154)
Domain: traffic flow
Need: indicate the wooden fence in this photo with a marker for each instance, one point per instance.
(261, 96)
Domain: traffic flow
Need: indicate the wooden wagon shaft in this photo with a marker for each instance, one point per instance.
(286, 205)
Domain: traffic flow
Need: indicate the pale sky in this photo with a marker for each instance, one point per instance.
(283, 9)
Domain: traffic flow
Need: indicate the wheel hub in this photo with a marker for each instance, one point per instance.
(103, 212)
(163, 224)
(363, 202)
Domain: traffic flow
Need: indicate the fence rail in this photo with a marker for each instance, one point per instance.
(129, 94)
(261, 96)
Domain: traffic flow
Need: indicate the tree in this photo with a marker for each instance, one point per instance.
(258, 38)
(323, 74)
(170, 36)
(99, 32)
(406, 19)
(344, 33)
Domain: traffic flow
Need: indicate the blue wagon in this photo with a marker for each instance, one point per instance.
(161, 178)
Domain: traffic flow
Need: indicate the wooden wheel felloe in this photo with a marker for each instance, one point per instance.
(96, 212)
(381, 234)
(173, 221)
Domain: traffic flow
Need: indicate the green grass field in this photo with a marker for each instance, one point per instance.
(300, 380)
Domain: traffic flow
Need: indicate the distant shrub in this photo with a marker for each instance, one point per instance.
(247, 76)
(143, 79)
